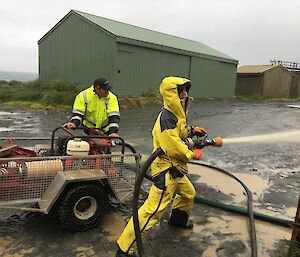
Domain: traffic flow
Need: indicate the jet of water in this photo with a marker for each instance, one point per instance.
(291, 136)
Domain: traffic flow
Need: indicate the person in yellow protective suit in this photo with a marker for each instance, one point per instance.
(96, 107)
(168, 170)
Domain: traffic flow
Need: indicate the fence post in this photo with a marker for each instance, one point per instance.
(296, 231)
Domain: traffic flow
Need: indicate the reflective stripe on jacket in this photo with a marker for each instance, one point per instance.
(96, 110)
(170, 129)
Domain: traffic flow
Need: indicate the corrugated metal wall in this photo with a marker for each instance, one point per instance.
(249, 85)
(295, 87)
(75, 51)
(212, 78)
(139, 70)
(277, 83)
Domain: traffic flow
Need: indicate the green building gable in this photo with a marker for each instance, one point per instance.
(81, 47)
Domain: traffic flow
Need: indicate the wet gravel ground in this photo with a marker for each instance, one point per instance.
(278, 163)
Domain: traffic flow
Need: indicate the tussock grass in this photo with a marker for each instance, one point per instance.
(280, 100)
(39, 94)
(58, 95)
(288, 248)
(250, 97)
(133, 102)
(256, 97)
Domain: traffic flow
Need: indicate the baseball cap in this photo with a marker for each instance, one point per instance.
(102, 83)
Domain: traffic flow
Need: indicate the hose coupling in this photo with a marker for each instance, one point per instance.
(190, 143)
(217, 141)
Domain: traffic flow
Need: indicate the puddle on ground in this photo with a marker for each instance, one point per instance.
(289, 213)
(26, 251)
(235, 228)
(228, 185)
(84, 251)
(113, 223)
(4, 242)
(9, 249)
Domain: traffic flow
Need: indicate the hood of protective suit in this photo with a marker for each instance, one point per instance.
(170, 129)
(172, 102)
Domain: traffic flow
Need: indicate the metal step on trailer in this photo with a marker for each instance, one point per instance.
(124, 190)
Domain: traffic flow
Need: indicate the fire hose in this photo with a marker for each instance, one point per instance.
(139, 180)
(201, 200)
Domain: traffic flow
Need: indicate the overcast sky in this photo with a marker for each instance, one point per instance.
(251, 31)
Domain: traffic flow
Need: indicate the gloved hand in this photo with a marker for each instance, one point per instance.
(198, 131)
(198, 143)
(197, 154)
(69, 125)
(114, 135)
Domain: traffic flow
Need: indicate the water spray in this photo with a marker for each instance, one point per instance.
(291, 137)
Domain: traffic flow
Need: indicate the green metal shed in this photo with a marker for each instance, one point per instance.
(82, 46)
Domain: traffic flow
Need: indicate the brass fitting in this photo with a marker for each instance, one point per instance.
(218, 141)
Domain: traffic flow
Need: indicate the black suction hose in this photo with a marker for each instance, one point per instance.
(132, 149)
(249, 206)
(136, 194)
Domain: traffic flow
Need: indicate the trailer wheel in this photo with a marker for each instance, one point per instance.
(82, 206)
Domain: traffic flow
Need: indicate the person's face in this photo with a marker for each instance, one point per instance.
(101, 92)
(183, 95)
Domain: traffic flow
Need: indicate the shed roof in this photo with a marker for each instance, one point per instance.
(255, 69)
(127, 31)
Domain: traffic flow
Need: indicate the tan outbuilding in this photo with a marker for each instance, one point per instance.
(268, 81)
(295, 87)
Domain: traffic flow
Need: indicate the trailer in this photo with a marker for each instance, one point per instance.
(73, 175)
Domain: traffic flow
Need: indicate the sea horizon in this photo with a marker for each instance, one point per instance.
(18, 75)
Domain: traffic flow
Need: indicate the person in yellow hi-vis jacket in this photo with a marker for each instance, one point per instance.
(169, 169)
(96, 107)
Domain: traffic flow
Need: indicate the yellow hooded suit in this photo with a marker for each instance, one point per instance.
(168, 170)
(171, 129)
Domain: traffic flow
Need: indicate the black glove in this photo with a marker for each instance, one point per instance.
(198, 131)
(198, 143)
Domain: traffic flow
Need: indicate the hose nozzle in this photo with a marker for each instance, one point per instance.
(217, 141)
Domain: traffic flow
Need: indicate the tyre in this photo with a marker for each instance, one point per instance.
(82, 206)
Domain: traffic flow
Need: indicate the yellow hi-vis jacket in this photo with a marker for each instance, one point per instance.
(170, 129)
(94, 111)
